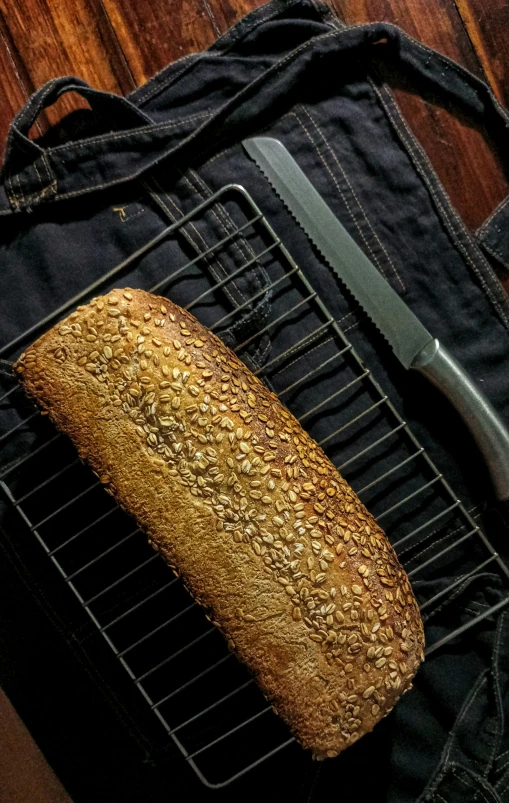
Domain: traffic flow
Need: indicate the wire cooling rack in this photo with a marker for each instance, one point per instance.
(203, 697)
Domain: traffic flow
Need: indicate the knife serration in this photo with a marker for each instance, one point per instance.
(402, 329)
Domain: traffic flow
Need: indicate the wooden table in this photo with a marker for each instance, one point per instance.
(116, 45)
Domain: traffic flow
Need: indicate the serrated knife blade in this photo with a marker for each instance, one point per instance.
(403, 330)
(411, 342)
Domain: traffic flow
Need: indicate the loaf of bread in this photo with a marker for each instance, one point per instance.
(242, 504)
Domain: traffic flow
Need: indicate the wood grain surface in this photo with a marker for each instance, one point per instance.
(25, 777)
(461, 155)
(117, 45)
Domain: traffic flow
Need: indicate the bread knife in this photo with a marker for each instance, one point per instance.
(411, 342)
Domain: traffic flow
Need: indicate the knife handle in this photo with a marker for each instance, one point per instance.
(486, 426)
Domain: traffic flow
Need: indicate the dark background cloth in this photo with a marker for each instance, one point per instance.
(292, 71)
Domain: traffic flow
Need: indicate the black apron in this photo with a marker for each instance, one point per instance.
(96, 187)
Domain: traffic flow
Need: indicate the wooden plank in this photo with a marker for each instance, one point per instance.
(463, 159)
(226, 13)
(13, 87)
(487, 25)
(154, 34)
(117, 44)
(25, 777)
(66, 38)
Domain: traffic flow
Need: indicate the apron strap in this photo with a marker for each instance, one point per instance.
(23, 155)
(493, 235)
(36, 175)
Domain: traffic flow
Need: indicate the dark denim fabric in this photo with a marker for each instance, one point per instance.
(94, 189)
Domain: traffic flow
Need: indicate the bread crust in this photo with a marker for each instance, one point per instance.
(241, 503)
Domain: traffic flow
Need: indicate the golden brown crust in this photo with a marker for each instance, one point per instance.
(239, 500)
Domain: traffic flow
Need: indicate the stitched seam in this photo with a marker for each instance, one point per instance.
(47, 167)
(209, 161)
(9, 189)
(263, 15)
(160, 87)
(36, 102)
(216, 257)
(502, 784)
(480, 682)
(150, 89)
(240, 243)
(461, 588)
(175, 217)
(272, 70)
(50, 189)
(38, 176)
(95, 187)
(148, 129)
(496, 685)
(275, 68)
(204, 191)
(21, 193)
(495, 212)
(503, 258)
(342, 194)
(135, 214)
(473, 611)
(269, 72)
(45, 187)
(309, 351)
(192, 226)
(356, 311)
(503, 766)
(434, 544)
(16, 196)
(304, 353)
(111, 183)
(464, 74)
(355, 197)
(440, 540)
(416, 151)
(470, 785)
(217, 156)
(352, 326)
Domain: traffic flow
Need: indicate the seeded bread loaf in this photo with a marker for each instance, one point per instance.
(240, 502)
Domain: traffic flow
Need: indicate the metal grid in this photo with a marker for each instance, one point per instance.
(203, 697)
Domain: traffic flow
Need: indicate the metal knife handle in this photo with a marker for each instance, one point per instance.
(486, 426)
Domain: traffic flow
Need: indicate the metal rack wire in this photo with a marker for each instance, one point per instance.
(203, 697)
